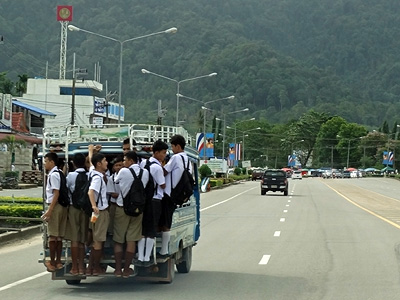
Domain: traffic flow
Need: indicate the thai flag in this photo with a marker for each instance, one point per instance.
(238, 151)
(200, 143)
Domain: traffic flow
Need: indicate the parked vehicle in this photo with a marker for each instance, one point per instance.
(185, 229)
(346, 174)
(275, 181)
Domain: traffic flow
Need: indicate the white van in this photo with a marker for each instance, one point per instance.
(297, 175)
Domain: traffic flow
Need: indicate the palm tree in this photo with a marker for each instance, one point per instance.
(12, 144)
(21, 84)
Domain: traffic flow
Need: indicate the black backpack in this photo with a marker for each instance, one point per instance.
(63, 197)
(135, 200)
(184, 189)
(80, 197)
(150, 187)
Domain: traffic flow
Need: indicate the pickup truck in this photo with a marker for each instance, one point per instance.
(275, 181)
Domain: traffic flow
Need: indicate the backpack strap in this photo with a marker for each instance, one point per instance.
(101, 185)
(147, 167)
(134, 174)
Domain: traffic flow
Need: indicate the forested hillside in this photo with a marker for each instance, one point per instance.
(279, 58)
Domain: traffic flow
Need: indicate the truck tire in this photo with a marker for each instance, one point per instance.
(285, 192)
(73, 281)
(186, 263)
(263, 191)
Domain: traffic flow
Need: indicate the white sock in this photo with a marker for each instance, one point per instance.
(166, 236)
(141, 249)
(149, 248)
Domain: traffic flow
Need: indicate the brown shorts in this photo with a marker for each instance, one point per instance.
(58, 221)
(100, 227)
(126, 228)
(77, 225)
(111, 211)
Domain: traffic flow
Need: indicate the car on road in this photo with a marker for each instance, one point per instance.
(297, 175)
(346, 174)
(275, 181)
(257, 174)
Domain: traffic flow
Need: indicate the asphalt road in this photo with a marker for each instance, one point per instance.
(329, 239)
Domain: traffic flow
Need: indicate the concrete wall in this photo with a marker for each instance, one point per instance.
(23, 161)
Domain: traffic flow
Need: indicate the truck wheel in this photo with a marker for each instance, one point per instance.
(186, 263)
(263, 192)
(73, 281)
(285, 192)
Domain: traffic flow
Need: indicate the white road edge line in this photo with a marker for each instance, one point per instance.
(277, 233)
(264, 260)
(6, 287)
(226, 200)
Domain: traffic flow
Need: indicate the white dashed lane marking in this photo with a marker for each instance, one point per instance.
(264, 260)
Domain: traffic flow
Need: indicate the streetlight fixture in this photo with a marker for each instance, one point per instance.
(121, 42)
(223, 142)
(178, 82)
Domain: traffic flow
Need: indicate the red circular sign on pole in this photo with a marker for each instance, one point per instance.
(64, 13)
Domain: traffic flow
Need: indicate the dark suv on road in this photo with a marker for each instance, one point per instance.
(274, 181)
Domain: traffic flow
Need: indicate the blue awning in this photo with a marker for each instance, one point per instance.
(38, 112)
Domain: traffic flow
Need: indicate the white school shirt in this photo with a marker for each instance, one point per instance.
(53, 183)
(99, 186)
(175, 169)
(113, 187)
(157, 173)
(71, 178)
(125, 180)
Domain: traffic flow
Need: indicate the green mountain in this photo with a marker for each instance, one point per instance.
(279, 58)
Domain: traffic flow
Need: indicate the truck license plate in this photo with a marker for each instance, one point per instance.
(274, 186)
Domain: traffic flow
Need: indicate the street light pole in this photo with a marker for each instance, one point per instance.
(178, 82)
(74, 28)
(348, 154)
(258, 128)
(252, 119)
(223, 141)
(205, 115)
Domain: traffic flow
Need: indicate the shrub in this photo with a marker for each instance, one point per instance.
(237, 171)
(17, 210)
(20, 200)
(205, 171)
(216, 182)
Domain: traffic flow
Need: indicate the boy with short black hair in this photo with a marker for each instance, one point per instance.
(173, 171)
(78, 220)
(127, 228)
(153, 209)
(56, 214)
(98, 198)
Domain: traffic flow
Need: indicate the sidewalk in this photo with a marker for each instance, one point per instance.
(35, 192)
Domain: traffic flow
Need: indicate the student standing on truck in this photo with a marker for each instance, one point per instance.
(173, 171)
(127, 228)
(152, 212)
(98, 198)
(113, 190)
(56, 214)
(126, 145)
(78, 220)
